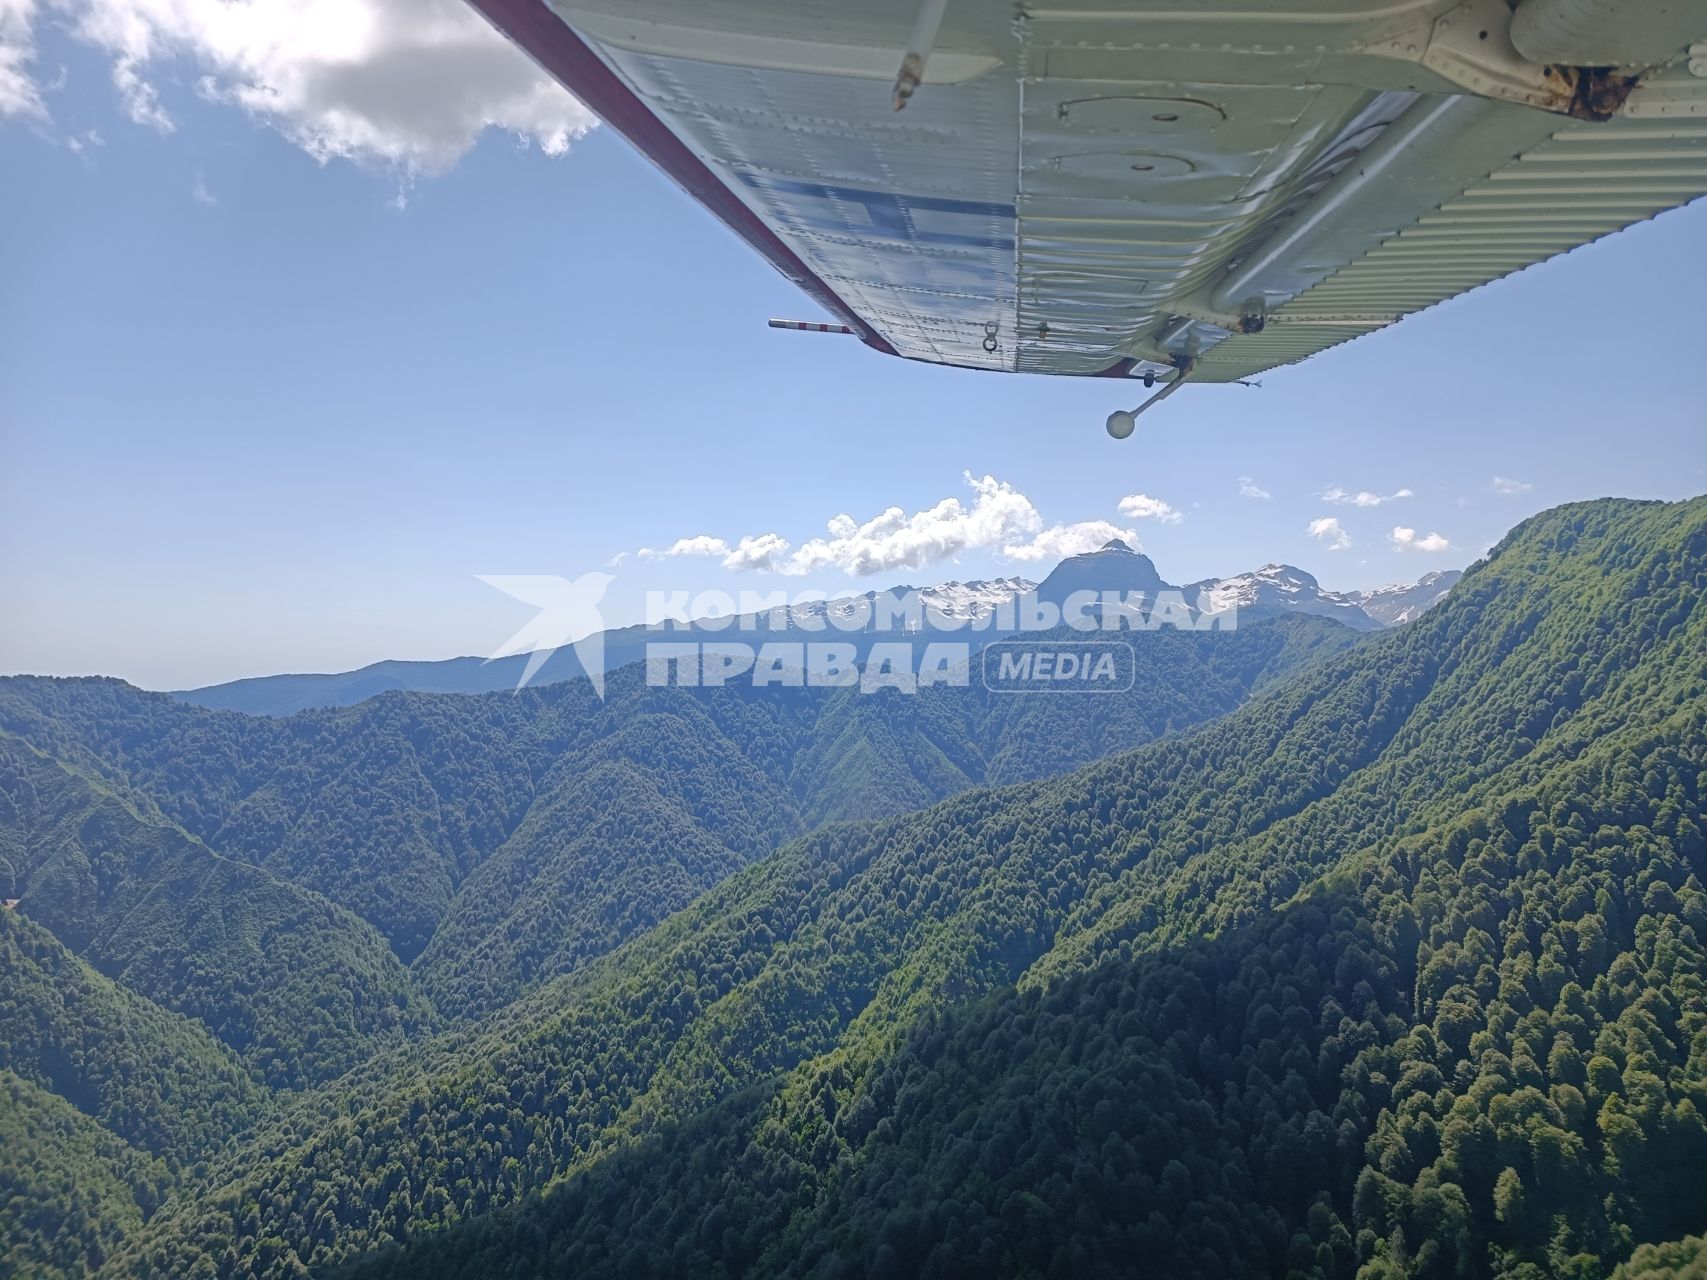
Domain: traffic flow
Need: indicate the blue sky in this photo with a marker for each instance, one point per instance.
(261, 411)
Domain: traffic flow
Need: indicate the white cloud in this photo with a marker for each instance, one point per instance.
(1330, 531)
(998, 519)
(1249, 488)
(765, 552)
(1141, 506)
(20, 95)
(701, 544)
(1510, 487)
(1063, 540)
(403, 84)
(1363, 497)
(894, 539)
(1404, 539)
(201, 195)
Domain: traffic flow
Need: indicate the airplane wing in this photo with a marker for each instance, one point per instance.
(1121, 187)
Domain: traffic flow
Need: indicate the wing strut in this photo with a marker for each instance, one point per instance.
(919, 44)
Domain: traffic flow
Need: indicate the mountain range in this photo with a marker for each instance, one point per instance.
(1395, 605)
(1271, 591)
(1320, 952)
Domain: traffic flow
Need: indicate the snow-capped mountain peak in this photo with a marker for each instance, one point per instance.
(1277, 588)
(974, 599)
(1401, 602)
(968, 600)
(1115, 566)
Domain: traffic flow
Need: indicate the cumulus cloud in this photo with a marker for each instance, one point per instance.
(1063, 540)
(1329, 530)
(701, 544)
(1249, 488)
(1404, 539)
(1141, 506)
(998, 518)
(1363, 497)
(765, 552)
(895, 539)
(402, 84)
(20, 95)
(1510, 487)
(892, 539)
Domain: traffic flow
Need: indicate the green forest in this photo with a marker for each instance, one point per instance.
(1320, 954)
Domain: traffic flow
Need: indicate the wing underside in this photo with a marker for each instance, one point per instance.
(1113, 188)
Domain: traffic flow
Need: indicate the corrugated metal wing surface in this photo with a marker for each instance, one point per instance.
(1586, 182)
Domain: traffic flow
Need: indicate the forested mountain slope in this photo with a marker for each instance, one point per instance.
(500, 839)
(1397, 853)
(1367, 1082)
(641, 822)
(298, 988)
(152, 1077)
(381, 808)
(106, 1102)
(70, 1190)
(557, 826)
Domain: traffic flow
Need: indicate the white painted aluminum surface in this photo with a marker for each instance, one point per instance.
(1072, 183)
